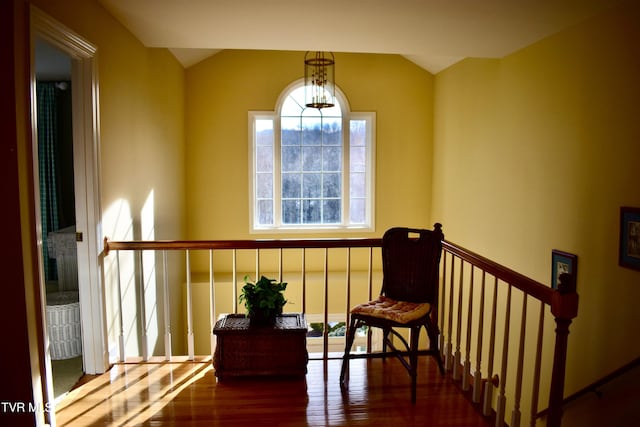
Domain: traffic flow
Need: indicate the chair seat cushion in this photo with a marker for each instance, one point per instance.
(397, 311)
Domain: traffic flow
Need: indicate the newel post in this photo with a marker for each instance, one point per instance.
(564, 306)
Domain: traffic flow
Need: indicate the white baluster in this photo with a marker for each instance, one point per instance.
(280, 265)
(536, 373)
(443, 287)
(212, 303)
(487, 404)
(190, 341)
(456, 357)
(467, 362)
(325, 350)
(515, 414)
(304, 281)
(477, 375)
(167, 308)
(502, 398)
(348, 287)
(448, 359)
(143, 311)
(234, 280)
(121, 315)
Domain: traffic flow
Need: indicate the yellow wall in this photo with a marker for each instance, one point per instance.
(538, 151)
(142, 143)
(222, 89)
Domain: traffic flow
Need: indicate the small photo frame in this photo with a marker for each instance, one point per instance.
(629, 252)
(563, 262)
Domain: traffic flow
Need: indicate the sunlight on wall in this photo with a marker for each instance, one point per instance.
(132, 298)
(118, 225)
(150, 295)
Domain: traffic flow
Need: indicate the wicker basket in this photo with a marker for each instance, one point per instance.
(245, 349)
(63, 323)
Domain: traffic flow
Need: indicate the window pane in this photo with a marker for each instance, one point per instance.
(292, 106)
(334, 111)
(311, 143)
(331, 158)
(264, 185)
(290, 130)
(264, 132)
(311, 112)
(331, 185)
(312, 159)
(331, 211)
(311, 133)
(358, 132)
(265, 212)
(357, 211)
(357, 185)
(291, 185)
(291, 159)
(291, 212)
(264, 158)
(357, 159)
(332, 132)
(311, 211)
(311, 185)
(309, 167)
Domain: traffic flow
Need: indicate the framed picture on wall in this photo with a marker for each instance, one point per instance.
(563, 262)
(629, 253)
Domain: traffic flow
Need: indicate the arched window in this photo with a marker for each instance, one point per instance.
(312, 169)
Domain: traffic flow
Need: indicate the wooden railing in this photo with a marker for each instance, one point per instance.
(234, 276)
(475, 307)
(463, 271)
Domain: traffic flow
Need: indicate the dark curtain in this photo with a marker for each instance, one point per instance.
(55, 155)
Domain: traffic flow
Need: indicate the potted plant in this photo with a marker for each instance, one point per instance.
(263, 299)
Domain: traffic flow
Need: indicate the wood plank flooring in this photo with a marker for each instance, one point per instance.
(184, 393)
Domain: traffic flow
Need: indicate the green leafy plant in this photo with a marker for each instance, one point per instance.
(263, 299)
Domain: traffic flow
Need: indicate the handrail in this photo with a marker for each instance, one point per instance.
(319, 243)
(563, 303)
(524, 283)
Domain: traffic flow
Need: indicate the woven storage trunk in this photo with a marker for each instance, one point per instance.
(243, 349)
(63, 323)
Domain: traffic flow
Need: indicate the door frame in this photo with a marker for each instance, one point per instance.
(86, 159)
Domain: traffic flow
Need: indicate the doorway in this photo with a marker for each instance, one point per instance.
(84, 275)
(58, 214)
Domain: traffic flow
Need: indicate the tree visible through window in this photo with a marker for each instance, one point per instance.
(308, 172)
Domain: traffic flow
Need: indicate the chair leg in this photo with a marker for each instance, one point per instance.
(385, 338)
(351, 334)
(413, 361)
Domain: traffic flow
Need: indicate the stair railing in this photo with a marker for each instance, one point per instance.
(478, 299)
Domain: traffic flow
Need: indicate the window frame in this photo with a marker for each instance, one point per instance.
(347, 117)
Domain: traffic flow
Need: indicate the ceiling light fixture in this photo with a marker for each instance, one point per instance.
(319, 79)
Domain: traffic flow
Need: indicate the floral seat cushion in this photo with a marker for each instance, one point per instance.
(398, 311)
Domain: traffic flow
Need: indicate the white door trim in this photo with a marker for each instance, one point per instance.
(86, 154)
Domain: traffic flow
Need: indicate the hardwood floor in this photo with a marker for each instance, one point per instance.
(184, 393)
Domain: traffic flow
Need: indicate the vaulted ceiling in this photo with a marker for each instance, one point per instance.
(432, 33)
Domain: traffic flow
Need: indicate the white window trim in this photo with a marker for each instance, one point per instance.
(347, 116)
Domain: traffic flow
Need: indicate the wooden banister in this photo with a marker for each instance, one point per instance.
(518, 280)
(563, 303)
(319, 243)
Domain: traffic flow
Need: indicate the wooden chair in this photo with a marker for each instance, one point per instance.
(409, 296)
